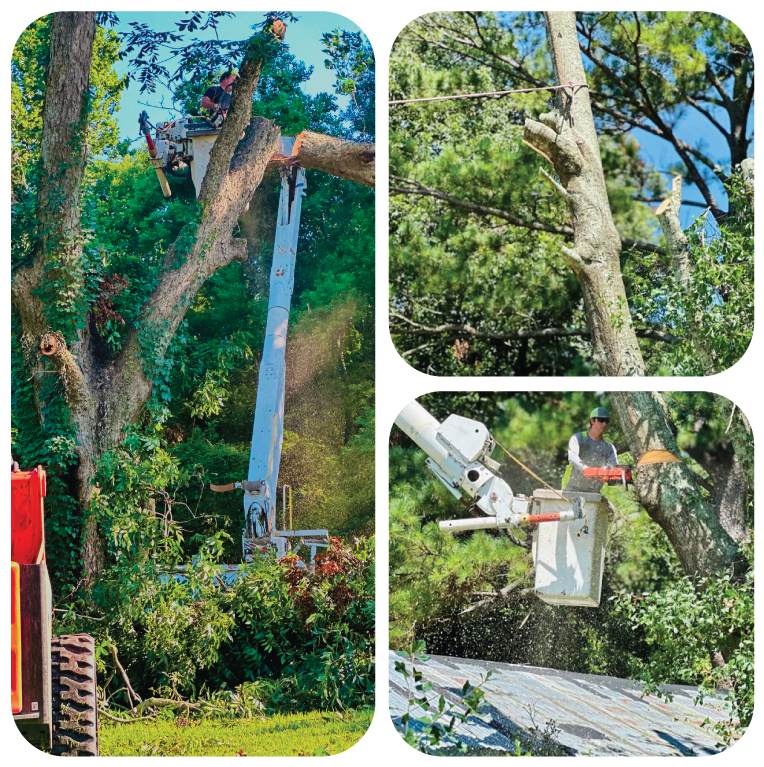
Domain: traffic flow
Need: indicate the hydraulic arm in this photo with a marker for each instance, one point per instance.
(458, 453)
(260, 502)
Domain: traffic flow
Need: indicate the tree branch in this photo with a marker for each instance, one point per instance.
(350, 160)
(455, 330)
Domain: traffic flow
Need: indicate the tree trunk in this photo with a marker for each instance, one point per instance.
(57, 255)
(568, 140)
(669, 492)
(106, 395)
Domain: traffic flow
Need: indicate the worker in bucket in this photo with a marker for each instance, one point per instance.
(217, 98)
(590, 448)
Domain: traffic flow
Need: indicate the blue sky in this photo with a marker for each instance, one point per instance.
(692, 127)
(302, 37)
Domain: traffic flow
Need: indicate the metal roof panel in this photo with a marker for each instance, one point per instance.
(582, 714)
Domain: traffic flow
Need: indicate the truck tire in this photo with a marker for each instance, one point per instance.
(75, 703)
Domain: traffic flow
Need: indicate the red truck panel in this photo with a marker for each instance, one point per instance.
(27, 530)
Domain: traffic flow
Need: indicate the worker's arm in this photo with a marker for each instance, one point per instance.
(208, 104)
(573, 456)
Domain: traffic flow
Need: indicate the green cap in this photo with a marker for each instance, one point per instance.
(599, 412)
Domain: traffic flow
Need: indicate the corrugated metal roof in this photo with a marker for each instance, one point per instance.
(591, 715)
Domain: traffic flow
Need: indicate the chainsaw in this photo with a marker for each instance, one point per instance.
(622, 474)
(610, 474)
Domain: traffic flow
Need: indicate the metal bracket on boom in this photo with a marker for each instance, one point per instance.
(458, 453)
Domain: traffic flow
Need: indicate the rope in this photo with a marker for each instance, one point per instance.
(530, 471)
(585, 527)
(573, 87)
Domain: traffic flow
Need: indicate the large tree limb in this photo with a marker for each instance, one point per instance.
(261, 46)
(213, 247)
(350, 160)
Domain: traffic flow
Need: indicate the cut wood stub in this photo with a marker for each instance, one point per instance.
(49, 344)
(350, 160)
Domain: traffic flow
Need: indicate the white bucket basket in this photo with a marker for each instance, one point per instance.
(569, 562)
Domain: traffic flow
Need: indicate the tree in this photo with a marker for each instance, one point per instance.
(702, 285)
(567, 138)
(670, 493)
(649, 69)
(504, 205)
(56, 290)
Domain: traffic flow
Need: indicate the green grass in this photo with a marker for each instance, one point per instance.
(311, 734)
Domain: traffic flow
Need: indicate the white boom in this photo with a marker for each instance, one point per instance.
(268, 430)
(458, 453)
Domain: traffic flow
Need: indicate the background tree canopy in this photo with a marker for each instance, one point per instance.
(478, 282)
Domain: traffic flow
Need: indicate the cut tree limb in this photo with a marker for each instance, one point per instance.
(350, 160)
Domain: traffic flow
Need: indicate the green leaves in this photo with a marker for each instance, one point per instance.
(690, 624)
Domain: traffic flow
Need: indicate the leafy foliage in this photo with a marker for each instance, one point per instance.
(352, 59)
(713, 315)
(434, 574)
(195, 59)
(700, 633)
(303, 638)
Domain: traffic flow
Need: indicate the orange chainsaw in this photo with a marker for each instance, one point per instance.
(622, 474)
(609, 474)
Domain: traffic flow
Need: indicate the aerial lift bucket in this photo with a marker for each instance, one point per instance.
(569, 558)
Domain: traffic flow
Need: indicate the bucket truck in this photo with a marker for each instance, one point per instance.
(458, 453)
(268, 430)
(568, 558)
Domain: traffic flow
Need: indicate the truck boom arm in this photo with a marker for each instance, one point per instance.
(268, 428)
(458, 453)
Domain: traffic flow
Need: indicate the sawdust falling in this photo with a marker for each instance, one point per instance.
(316, 415)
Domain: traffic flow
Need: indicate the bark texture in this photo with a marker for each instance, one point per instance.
(669, 492)
(566, 137)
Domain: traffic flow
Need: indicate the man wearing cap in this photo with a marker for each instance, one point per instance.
(589, 448)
